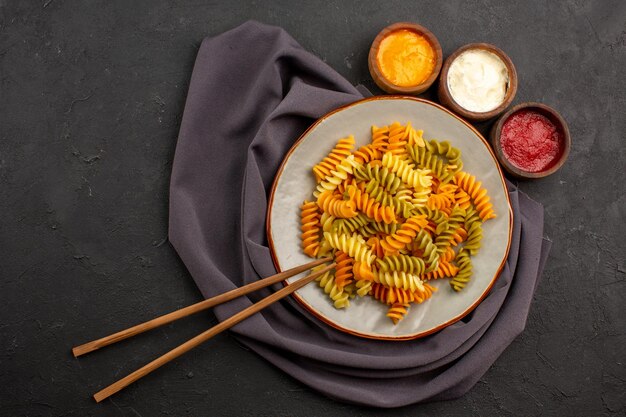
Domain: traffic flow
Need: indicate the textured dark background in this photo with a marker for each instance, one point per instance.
(91, 97)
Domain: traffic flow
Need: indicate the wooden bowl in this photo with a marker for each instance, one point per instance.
(446, 99)
(377, 74)
(554, 117)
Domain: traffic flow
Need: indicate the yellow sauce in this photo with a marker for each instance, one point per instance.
(405, 58)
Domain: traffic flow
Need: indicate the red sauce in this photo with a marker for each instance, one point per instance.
(531, 141)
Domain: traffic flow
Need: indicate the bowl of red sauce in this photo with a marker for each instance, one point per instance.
(531, 140)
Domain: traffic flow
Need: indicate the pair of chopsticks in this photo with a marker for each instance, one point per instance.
(195, 308)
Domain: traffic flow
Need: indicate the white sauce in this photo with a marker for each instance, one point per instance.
(478, 80)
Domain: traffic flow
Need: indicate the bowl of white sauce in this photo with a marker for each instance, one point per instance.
(478, 81)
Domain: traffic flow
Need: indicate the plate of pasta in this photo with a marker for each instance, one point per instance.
(409, 201)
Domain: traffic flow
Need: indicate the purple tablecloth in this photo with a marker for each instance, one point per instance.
(254, 90)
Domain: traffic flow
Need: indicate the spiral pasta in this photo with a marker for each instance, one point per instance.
(415, 136)
(464, 263)
(342, 150)
(399, 279)
(398, 139)
(310, 219)
(353, 245)
(334, 205)
(479, 196)
(413, 178)
(375, 227)
(398, 202)
(444, 269)
(366, 154)
(445, 238)
(407, 263)
(422, 157)
(380, 137)
(372, 208)
(343, 270)
(473, 225)
(349, 225)
(339, 296)
(383, 176)
(395, 214)
(405, 235)
(337, 176)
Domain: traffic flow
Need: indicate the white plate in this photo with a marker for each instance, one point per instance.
(295, 182)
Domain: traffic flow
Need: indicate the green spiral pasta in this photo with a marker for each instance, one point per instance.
(387, 179)
(348, 226)
(434, 215)
(473, 225)
(400, 206)
(410, 264)
(424, 242)
(363, 287)
(445, 237)
(464, 263)
(378, 227)
(446, 150)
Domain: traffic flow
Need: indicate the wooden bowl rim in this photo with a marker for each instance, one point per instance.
(377, 74)
(554, 116)
(508, 98)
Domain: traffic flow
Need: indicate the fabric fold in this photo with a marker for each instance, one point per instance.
(253, 92)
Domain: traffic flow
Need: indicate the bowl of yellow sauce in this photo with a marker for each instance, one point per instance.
(405, 58)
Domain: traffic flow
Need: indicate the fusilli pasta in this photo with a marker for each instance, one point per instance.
(394, 214)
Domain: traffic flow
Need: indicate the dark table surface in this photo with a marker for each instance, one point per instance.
(91, 98)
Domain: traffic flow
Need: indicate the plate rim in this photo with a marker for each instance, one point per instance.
(327, 320)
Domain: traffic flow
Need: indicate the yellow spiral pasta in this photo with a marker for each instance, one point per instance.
(416, 178)
(363, 287)
(341, 151)
(394, 214)
(398, 279)
(415, 136)
(339, 296)
(326, 221)
(353, 245)
(337, 176)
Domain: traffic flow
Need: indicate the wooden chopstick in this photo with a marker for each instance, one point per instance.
(192, 309)
(203, 337)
